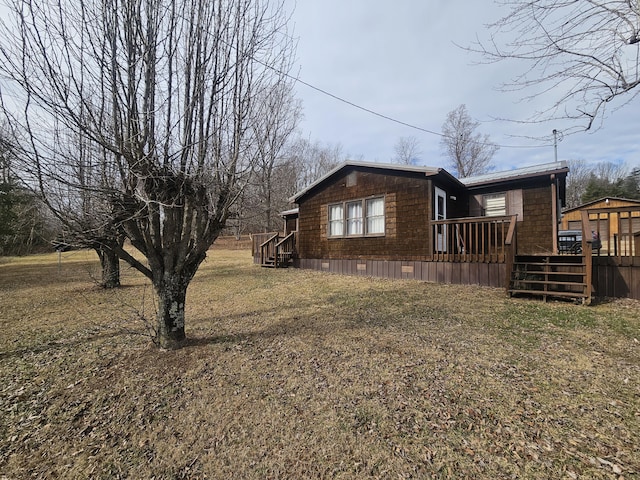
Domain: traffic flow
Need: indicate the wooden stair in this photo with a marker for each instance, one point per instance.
(562, 276)
(278, 252)
(285, 259)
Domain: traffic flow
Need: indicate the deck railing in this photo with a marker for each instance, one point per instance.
(617, 228)
(476, 239)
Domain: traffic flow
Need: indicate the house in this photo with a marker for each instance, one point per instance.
(397, 221)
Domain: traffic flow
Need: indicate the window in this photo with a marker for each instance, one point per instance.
(336, 220)
(357, 218)
(354, 218)
(375, 216)
(494, 205)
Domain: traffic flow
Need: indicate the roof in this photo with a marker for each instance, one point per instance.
(427, 171)
(516, 174)
(603, 199)
(286, 213)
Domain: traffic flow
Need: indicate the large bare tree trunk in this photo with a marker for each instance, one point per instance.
(110, 265)
(171, 293)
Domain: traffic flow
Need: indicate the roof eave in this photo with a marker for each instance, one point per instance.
(428, 171)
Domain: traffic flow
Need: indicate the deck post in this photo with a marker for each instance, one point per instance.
(510, 251)
(587, 256)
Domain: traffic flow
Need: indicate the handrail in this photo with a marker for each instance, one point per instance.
(512, 230)
(284, 249)
(474, 239)
(474, 219)
(268, 249)
(286, 239)
(269, 240)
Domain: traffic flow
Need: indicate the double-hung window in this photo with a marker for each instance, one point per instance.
(354, 218)
(357, 218)
(375, 216)
(336, 220)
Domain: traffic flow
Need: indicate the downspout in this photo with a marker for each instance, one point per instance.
(554, 212)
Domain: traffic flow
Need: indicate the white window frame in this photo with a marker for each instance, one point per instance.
(333, 223)
(355, 226)
(354, 218)
(370, 218)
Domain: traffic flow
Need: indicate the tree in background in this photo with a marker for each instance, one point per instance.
(277, 121)
(407, 151)
(80, 198)
(272, 184)
(587, 53)
(311, 161)
(24, 226)
(586, 183)
(9, 197)
(468, 151)
(600, 186)
(577, 180)
(167, 93)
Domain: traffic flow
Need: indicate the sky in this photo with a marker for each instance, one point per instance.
(400, 59)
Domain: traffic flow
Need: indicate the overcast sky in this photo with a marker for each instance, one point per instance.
(399, 59)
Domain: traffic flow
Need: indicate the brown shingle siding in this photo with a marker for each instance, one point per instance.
(406, 217)
(535, 232)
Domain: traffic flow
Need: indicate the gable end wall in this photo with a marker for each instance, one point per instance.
(407, 212)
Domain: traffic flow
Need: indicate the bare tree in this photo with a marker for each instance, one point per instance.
(469, 152)
(407, 150)
(25, 226)
(278, 120)
(610, 172)
(577, 180)
(168, 92)
(311, 160)
(587, 52)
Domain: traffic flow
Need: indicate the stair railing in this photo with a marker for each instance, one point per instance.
(511, 250)
(285, 249)
(268, 249)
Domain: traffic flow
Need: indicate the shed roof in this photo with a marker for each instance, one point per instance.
(427, 171)
(516, 174)
(602, 200)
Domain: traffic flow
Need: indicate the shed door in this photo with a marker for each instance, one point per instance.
(440, 213)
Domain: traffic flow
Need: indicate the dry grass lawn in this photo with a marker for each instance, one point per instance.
(299, 374)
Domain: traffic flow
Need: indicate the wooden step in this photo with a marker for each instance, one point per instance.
(550, 276)
(548, 264)
(550, 282)
(549, 293)
(542, 272)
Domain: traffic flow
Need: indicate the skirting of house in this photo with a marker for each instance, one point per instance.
(457, 273)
